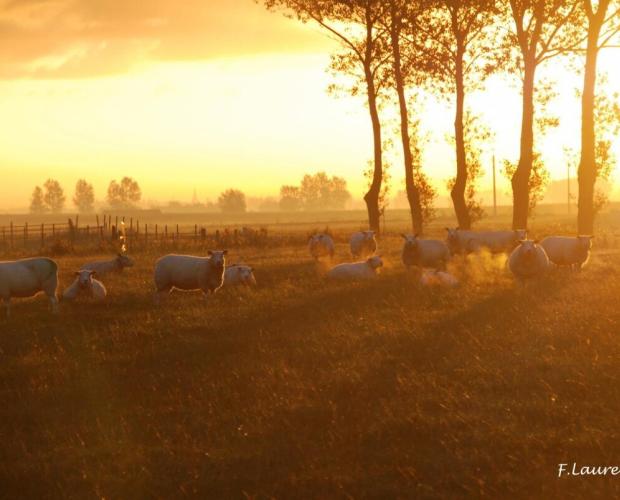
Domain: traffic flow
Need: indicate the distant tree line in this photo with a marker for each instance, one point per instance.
(51, 197)
(315, 192)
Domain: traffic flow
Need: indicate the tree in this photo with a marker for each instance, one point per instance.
(125, 194)
(356, 24)
(401, 14)
(475, 134)
(542, 30)
(596, 18)
(37, 204)
(537, 181)
(456, 39)
(54, 196)
(290, 199)
(320, 192)
(232, 201)
(84, 196)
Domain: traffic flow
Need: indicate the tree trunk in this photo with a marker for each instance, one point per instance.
(413, 194)
(372, 196)
(521, 177)
(587, 163)
(460, 183)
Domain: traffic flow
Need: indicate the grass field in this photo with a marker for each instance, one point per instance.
(305, 389)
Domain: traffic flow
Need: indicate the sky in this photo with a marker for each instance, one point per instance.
(205, 95)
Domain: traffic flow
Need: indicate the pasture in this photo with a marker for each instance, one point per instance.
(306, 389)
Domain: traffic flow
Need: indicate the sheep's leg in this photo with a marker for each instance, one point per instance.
(7, 305)
(53, 303)
(159, 294)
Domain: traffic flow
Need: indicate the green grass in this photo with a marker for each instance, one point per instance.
(302, 388)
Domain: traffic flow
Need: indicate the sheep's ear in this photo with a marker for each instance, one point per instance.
(93, 273)
(225, 252)
(210, 252)
(77, 273)
(447, 229)
(251, 269)
(535, 242)
(416, 235)
(403, 235)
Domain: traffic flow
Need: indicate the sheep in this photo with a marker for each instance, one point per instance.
(321, 245)
(356, 271)
(363, 244)
(189, 273)
(566, 251)
(425, 253)
(85, 285)
(239, 275)
(438, 279)
(103, 267)
(462, 241)
(528, 260)
(26, 278)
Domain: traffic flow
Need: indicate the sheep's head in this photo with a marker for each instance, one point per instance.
(85, 278)
(520, 234)
(411, 240)
(218, 259)
(124, 261)
(375, 262)
(528, 249)
(246, 275)
(369, 235)
(585, 242)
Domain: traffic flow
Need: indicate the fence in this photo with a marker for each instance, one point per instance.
(120, 230)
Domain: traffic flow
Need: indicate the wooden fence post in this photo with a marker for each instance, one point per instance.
(42, 235)
(146, 234)
(11, 235)
(25, 234)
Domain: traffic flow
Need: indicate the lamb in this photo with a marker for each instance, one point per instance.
(26, 278)
(85, 285)
(103, 267)
(425, 253)
(356, 271)
(239, 275)
(566, 251)
(528, 260)
(462, 241)
(189, 273)
(363, 244)
(438, 279)
(321, 245)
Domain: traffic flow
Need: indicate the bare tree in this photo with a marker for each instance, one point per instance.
(602, 25)
(356, 25)
(542, 29)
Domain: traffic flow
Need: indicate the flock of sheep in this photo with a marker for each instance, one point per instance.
(528, 259)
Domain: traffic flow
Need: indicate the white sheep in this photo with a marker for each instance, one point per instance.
(85, 285)
(462, 241)
(239, 275)
(189, 273)
(357, 270)
(424, 253)
(363, 244)
(103, 267)
(321, 245)
(26, 278)
(528, 260)
(567, 251)
(438, 279)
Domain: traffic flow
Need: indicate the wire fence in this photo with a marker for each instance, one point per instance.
(112, 232)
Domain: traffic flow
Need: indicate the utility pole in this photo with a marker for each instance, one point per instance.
(568, 185)
(494, 190)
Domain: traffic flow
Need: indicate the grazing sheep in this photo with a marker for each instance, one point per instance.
(363, 244)
(85, 285)
(425, 253)
(321, 245)
(356, 271)
(462, 241)
(103, 267)
(239, 275)
(438, 279)
(27, 277)
(566, 251)
(528, 260)
(189, 273)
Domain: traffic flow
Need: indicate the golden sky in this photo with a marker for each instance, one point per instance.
(203, 94)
